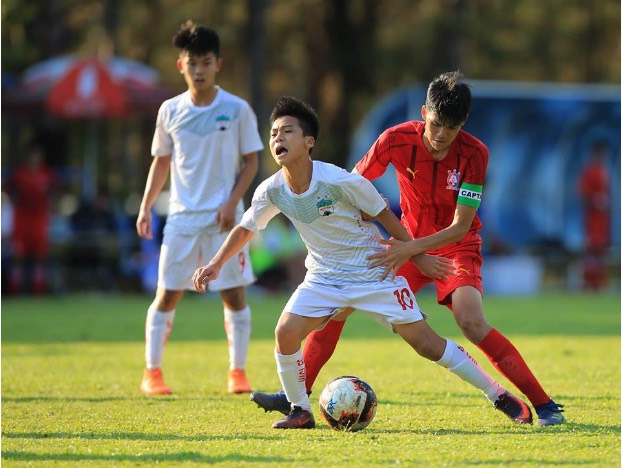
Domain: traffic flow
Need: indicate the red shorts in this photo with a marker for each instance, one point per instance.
(30, 235)
(468, 262)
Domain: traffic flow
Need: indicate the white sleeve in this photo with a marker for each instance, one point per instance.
(260, 212)
(250, 141)
(162, 144)
(362, 194)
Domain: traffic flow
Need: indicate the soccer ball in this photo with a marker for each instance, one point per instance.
(348, 403)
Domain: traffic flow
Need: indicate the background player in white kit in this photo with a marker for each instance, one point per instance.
(208, 138)
(325, 204)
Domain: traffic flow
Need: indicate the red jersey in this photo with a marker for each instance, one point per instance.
(430, 189)
(31, 189)
(594, 187)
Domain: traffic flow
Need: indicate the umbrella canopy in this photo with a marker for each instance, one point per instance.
(74, 86)
(87, 90)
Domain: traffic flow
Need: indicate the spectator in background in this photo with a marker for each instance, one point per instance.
(594, 191)
(94, 246)
(31, 187)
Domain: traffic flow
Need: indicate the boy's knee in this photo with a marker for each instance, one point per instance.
(287, 341)
(474, 329)
(166, 300)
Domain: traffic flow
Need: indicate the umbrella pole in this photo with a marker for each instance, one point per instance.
(89, 175)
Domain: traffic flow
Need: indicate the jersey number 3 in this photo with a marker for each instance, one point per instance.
(403, 297)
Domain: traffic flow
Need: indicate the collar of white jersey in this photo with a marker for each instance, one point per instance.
(312, 183)
(204, 108)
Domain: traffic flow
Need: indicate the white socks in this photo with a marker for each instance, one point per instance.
(292, 373)
(157, 329)
(459, 362)
(238, 329)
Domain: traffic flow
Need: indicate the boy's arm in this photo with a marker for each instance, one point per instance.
(158, 173)
(225, 216)
(392, 225)
(234, 242)
(459, 227)
(401, 250)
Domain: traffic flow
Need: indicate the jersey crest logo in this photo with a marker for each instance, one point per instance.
(223, 123)
(453, 177)
(325, 206)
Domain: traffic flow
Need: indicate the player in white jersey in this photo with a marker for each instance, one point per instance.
(326, 203)
(208, 139)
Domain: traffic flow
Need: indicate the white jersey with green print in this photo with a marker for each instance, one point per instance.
(328, 218)
(206, 145)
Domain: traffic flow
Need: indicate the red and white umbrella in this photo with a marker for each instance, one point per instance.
(127, 73)
(74, 86)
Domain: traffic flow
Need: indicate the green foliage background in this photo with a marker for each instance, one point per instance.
(339, 55)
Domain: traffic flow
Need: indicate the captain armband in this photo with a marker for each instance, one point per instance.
(470, 195)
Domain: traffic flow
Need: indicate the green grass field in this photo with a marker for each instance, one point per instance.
(71, 368)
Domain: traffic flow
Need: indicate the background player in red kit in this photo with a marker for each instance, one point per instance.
(594, 191)
(440, 171)
(31, 188)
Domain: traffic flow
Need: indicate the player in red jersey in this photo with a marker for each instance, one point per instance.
(31, 188)
(440, 171)
(595, 193)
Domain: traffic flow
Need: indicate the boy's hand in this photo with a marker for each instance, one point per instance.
(203, 275)
(143, 224)
(433, 266)
(225, 217)
(393, 258)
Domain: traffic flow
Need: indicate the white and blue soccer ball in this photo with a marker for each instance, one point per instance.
(348, 403)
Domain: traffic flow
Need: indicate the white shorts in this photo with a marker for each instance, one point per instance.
(387, 302)
(181, 255)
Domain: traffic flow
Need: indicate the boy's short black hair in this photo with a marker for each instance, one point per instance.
(196, 39)
(306, 115)
(450, 98)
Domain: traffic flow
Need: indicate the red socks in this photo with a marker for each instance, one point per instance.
(507, 360)
(318, 349)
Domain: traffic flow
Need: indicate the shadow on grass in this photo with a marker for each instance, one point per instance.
(153, 457)
(131, 436)
(586, 430)
(589, 430)
(136, 399)
(65, 399)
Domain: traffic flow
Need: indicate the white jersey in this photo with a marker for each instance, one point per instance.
(206, 145)
(328, 218)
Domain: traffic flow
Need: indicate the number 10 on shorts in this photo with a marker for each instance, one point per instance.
(404, 299)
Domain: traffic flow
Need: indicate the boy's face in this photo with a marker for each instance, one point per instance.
(438, 136)
(287, 142)
(199, 70)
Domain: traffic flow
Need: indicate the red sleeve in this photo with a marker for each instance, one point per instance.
(375, 162)
(475, 171)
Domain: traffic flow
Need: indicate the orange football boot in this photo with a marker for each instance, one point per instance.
(153, 383)
(237, 382)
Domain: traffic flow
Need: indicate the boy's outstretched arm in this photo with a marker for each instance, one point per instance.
(430, 265)
(237, 238)
(399, 250)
